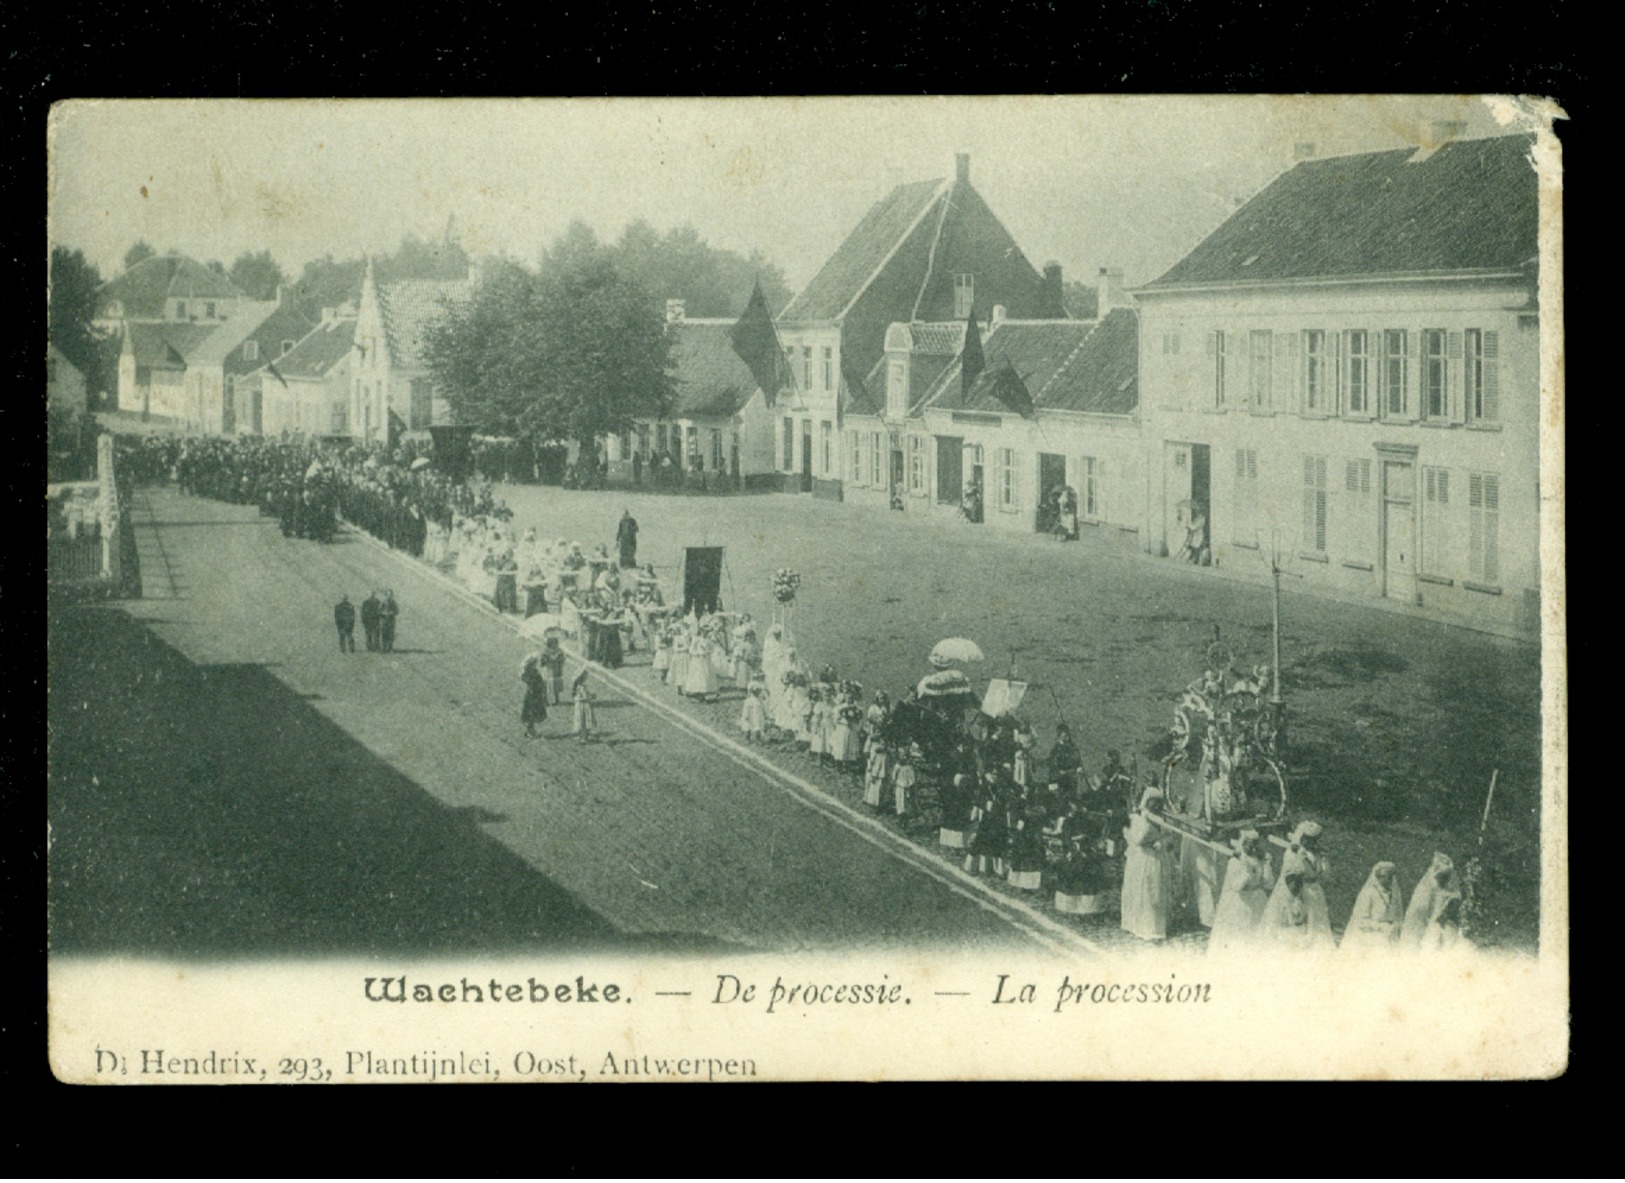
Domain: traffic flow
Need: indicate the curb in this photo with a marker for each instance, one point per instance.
(1032, 923)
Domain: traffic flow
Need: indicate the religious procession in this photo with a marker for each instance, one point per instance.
(1204, 840)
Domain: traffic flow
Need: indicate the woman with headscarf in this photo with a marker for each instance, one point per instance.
(1286, 918)
(1145, 873)
(1443, 933)
(1244, 896)
(1304, 860)
(1439, 880)
(1379, 911)
(534, 708)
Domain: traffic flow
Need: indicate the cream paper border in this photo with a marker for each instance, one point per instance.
(117, 1021)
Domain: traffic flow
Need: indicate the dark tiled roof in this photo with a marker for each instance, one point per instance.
(166, 346)
(1071, 365)
(945, 339)
(409, 307)
(322, 349)
(713, 382)
(855, 262)
(859, 399)
(1470, 205)
(143, 289)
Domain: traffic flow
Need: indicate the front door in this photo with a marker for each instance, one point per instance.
(1051, 477)
(950, 469)
(896, 471)
(1176, 496)
(806, 456)
(1399, 531)
(1202, 485)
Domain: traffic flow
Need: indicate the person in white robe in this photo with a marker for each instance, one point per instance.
(1304, 859)
(1440, 879)
(1285, 924)
(1145, 873)
(700, 677)
(1443, 932)
(1379, 913)
(677, 669)
(1244, 896)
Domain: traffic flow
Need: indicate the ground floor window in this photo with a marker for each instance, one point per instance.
(1358, 540)
(1089, 487)
(916, 464)
(1244, 502)
(877, 467)
(1007, 479)
(1314, 504)
(1435, 520)
(1484, 526)
(826, 440)
(854, 470)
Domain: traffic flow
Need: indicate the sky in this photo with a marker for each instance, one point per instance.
(1121, 181)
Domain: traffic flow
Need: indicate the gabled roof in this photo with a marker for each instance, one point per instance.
(217, 346)
(1470, 205)
(165, 346)
(848, 271)
(144, 288)
(323, 347)
(409, 306)
(1056, 365)
(712, 380)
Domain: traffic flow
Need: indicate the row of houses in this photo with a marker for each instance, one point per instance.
(1343, 376)
(1344, 373)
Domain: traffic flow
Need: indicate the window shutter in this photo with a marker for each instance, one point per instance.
(1285, 394)
(1308, 535)
(1475, 524)
(1492, 528)
(1100, 487)
(1334, 372)
(1351, 477)
(1455, 404)
(1241, 464)
(1492, 376)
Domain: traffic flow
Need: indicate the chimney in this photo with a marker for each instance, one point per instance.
(674, 312)
(1303, 150)
(962, 167)
(1110, 291)
(1053, 297)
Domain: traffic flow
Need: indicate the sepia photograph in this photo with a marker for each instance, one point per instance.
(678, 589)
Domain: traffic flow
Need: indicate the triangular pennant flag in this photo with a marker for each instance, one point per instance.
(971, 360)
(756, 342)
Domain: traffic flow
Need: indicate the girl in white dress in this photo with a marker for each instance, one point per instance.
(753, 714)
(1145, 873)
(1440, 879)
(677, 671)
(1379, 914)
(700, 679)
(1244, 896)
(1305, 861)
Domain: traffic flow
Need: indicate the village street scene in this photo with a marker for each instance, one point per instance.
(1093, 540)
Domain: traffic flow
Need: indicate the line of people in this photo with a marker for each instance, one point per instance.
(379, 613)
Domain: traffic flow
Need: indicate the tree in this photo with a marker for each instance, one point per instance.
(709, 280)
(574, 350)
(140, 251)
(73, 284)
(327, 283)
(257, 275)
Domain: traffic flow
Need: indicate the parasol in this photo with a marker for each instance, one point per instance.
(944, 684)
(542, 624)
(953, 651)
(420, 462)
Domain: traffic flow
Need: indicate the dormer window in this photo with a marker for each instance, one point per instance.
(964, 295)
(208, 311)
(180, 309)
(251, 350)
(287, 348)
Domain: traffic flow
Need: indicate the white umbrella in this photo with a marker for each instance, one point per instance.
(955, 650)
(420, 462)
(541, 624)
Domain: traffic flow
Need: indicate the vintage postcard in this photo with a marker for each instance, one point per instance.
(787, 589)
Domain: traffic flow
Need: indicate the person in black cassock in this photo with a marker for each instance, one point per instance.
(387, 612)
(534, 709)
(626, 538)
(370, 609)
(344, 620)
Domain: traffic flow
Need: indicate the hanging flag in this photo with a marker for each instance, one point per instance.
(272, 367)
(756, 342)
(971, 360)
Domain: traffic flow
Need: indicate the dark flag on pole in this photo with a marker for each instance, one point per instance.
(971, 360)
(756, 342)
(272, 367)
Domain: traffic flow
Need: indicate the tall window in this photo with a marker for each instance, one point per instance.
(1316, 389)
(251, 350)
(1314, 504)
(1357, 372)
(877, 466)
(1435, 392)
(180, 309)
(1216, 349)
(1089, 493)
(1435, 516)
(340, 419)
(1484, 526)
(916, 464)
(964, 295)
(1396, 373)
(1482, 375)
(829, 368)
(789, 444)
(1261, 369)
(1359, 532)
(826, 441)
(716, 449)
(854, 470)
(1007, 479)
(806, 367)
(1244, 510)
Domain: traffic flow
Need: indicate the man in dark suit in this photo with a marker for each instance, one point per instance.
(387, 612)
(370, 609)
(344, 620)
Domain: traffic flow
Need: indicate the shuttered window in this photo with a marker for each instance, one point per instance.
(1484, 526)
(1089, 494)
(1358, 538)
(1244, 505)
(1215, 351)
(1396, 373)
(1435, 520)
(1357, 372)
(1314, 504)
(1261, 369)
(1482, 375)
(1435, 388)
(1007, 479)
(855, 470)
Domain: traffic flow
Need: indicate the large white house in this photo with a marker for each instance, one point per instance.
(1347, 372)
(391, 389)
